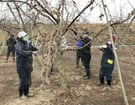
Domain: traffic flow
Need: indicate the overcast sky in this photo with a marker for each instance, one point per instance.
(116, 9)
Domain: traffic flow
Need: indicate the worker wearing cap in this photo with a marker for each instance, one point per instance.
(107, 64)
(24, 51)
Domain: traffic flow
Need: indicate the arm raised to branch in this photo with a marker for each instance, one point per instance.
(66, 29)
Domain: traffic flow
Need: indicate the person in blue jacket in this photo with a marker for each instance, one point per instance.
(79, 51)
(107, 64)
(24, 60)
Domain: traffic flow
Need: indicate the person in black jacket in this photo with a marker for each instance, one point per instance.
(86, 55)
(107, 64)
(11, 47)
(24, 60)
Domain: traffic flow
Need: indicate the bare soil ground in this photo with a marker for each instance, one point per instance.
(78, 92)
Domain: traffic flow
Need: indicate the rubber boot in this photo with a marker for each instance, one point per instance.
(20, 92)
(26, 91)
(87, 74)
(101, 81)
(108, 82)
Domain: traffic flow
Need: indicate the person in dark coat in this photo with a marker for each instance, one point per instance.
(11, 47)
(79, 44)
(24, 60)
(107, 64)
(79, 51)
(86, 55)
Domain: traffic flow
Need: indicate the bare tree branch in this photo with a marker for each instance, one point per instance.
(92, 1)
(45, 10)
(17, 8)
(12, 13)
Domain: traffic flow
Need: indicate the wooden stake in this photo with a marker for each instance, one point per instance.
(116, 57)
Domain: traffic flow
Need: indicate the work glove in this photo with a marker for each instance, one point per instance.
(34, 52)
(103, 46)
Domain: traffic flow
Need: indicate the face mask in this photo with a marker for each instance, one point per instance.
(26, 38)
(109, 42)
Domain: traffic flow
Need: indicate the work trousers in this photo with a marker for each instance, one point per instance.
(24, 81)
(10, 51)
(86, 61)
(78, 57)
(106, 72)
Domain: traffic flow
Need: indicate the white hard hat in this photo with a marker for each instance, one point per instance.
(21, 34)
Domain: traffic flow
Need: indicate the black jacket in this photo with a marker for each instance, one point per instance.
(86, 48)
(107, 55)
(11, 43)
(24, 56)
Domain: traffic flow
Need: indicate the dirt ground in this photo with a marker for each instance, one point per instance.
(78, 92)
